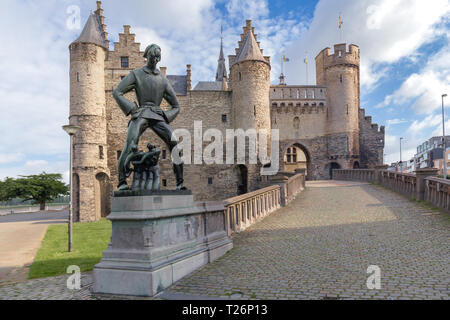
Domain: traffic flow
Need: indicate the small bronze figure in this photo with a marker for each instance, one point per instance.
(145, 167)
(150, 87)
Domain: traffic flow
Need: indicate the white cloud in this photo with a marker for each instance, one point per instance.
(424, 89)
(385, 30)
(11, 157)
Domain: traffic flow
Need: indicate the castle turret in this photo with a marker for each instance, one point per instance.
(339, 72)
(250, 85)
(87, 110)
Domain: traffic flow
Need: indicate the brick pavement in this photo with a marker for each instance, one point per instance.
(318, 247)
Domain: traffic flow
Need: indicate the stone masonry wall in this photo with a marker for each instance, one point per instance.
(372, 141)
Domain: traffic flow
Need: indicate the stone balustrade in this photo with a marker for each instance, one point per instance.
(244, 210)
(421, 185)
(437, 192)
(363, 175)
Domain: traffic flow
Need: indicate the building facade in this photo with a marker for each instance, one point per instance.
(324, 123)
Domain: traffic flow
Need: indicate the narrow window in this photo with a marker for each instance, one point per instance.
(78, 77)
(297, 123)
(164, 183)
(254, 110)
(347, 108)
(119, 153)
(210, 181)
(224, 118)
(100, 152)
(164, 154)
(340, 78)
(240, 76)
(124, 62)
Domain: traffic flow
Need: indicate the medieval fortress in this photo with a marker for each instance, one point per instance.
(321, 127)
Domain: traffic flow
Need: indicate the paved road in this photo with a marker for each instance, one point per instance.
(319, 247)
(20, 238)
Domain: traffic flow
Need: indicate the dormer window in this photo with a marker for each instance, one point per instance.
(124, 62)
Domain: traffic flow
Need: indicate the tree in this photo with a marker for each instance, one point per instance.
(40, 188)
(8, 189)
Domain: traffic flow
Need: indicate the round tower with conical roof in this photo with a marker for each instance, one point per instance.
(87, 110)
(250, 85)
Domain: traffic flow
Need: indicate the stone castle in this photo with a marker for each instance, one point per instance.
(321, 127)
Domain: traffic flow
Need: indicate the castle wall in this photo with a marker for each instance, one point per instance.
(372, 141)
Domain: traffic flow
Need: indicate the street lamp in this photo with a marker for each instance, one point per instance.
(71, 131)
(443, 139)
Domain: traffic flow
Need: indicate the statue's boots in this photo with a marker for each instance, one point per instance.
(178, 170)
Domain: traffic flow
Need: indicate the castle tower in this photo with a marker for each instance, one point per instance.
(339, 72)
(87, 110)
(250, 85)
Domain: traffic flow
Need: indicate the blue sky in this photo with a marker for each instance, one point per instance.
(405, 54)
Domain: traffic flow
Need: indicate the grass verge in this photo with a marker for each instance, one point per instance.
(89, 242)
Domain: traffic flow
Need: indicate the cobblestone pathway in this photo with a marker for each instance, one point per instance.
(319, 247)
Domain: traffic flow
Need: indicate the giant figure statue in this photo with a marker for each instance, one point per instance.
(150, 87)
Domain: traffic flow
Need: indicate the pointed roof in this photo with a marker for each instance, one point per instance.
(92, 32)
(249, 50)
(221, 68)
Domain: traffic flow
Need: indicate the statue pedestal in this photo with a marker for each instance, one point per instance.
(158, 239)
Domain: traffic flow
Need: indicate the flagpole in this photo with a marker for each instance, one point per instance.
(306, 66)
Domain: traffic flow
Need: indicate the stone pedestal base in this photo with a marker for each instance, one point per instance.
(157, 240)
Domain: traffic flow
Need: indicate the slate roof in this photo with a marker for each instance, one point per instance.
(92, 32)
(209, 86)
(249, 50)
(179, 84)
(221, 68)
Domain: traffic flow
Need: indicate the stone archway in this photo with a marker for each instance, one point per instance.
(102, 192)
(296, 156)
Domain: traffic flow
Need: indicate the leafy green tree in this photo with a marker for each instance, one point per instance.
(40, 188)
(8, 189)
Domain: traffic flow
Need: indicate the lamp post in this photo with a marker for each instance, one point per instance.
(71, 131)
(443, 139)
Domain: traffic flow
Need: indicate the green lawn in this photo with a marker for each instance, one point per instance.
(89, 242)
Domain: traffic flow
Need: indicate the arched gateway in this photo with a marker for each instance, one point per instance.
(296, 156)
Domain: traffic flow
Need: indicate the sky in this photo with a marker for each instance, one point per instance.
(405, 54)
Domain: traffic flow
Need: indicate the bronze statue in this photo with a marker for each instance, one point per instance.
(145, 167)
(150, 87)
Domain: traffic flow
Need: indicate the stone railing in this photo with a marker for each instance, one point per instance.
(363, 175)
(290, 183)
(244, 210)
(404, 183)
(421, 185)
(437, 192)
